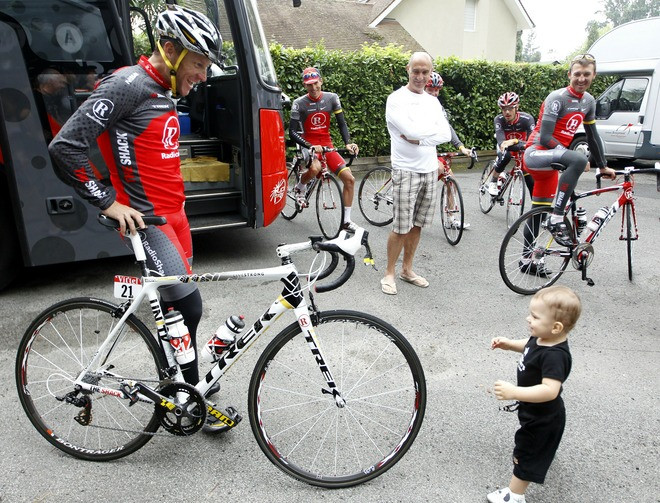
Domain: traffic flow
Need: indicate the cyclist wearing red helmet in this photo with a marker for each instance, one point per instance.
(433, 87)
(512, 127)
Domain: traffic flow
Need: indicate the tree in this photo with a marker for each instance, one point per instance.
(622, 11)
(519, 46)
(530, 51)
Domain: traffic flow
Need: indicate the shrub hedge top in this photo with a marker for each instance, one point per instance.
(363, 79)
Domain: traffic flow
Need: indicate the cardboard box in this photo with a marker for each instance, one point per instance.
(204, 169)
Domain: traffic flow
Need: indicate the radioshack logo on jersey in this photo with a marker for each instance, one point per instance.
(555, 106)
(318, 120)
(171, 136)
(102, 109)
(573, 123)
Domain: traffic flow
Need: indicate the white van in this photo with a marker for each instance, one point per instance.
(628, 112)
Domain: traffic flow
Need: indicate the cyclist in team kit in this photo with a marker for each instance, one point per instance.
(134, 118)
(561, 114)
(512, 128)
(433, 87)
(309, 127)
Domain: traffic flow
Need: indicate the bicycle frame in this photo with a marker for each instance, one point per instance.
(290, 298)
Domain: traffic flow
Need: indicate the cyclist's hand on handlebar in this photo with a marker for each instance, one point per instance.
(128, 218)
(353, 148)
(465, 151)
(606, 172)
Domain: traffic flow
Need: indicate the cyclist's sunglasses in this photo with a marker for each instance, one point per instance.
(586, 56)
(311, 75)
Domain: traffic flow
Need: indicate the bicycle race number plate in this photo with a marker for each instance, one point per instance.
(127, 287)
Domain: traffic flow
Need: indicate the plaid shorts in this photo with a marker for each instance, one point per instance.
(415, 197)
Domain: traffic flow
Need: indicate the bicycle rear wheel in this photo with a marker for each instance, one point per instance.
(515, 199)
(629, 239)
(486, 201)
(290, 209)
(329, 206)
(87, 424)
(451, 214)
(299, 426)
(530, 258)
(375, 196)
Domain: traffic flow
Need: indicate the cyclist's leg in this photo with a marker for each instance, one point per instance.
(313, 169)
(575, 164)
(169, 252)
(544, 187)
(500, 164)
(337, 165)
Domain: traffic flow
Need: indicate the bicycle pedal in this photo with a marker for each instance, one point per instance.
(218, 420)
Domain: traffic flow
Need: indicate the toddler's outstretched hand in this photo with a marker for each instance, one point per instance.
(500, 343)
(504, 390)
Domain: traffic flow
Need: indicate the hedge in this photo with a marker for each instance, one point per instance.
(363, 79)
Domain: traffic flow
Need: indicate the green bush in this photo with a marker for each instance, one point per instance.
(363, 79)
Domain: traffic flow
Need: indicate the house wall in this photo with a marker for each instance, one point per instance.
(438, 27)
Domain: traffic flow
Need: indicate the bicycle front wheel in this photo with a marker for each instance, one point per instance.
(515, 199)
(629, 239)
(530, 258)
(56, 347)
(329, 206)
(290, 209)
(297, 421)
(375, 196)
(451, 204)
(486, 201)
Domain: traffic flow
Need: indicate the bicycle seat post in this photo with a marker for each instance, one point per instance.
(138, 250)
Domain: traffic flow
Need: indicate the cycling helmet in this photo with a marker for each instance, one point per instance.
(435, 80)
(508, 99)
(192, 29)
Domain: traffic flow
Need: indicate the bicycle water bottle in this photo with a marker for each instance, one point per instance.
(179, 337)
(223, 337)
(581, 219)
(600, 215)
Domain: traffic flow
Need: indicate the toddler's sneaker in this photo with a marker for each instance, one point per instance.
(504, 496)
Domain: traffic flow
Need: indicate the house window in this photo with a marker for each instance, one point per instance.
(470, 15)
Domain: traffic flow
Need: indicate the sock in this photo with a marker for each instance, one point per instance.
(301, 186)
(516, 498)
(347, 214)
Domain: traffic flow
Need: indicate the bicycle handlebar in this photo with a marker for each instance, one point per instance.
(114, 224)
(473, 157)
(344, 152)
(631, 170)
(347, 248)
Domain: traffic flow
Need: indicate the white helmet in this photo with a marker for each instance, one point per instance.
(192, 29)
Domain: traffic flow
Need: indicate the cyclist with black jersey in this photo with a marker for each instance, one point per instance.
(561, 114)
(512, 127)
(132, 116)
(309, 127)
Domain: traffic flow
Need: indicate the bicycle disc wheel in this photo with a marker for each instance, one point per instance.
(375, 196)
(451, 204)
(486, 201)
(515, 199)
(629, 239)
(300, 427)
(290, 209)
(87, 424)
(530, 258)
(329, 206)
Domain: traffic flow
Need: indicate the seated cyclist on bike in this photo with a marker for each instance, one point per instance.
(433, 87)
(561, 114)
(310, 128)
(512, 127)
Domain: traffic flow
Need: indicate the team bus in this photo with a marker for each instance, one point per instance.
(232, 145)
